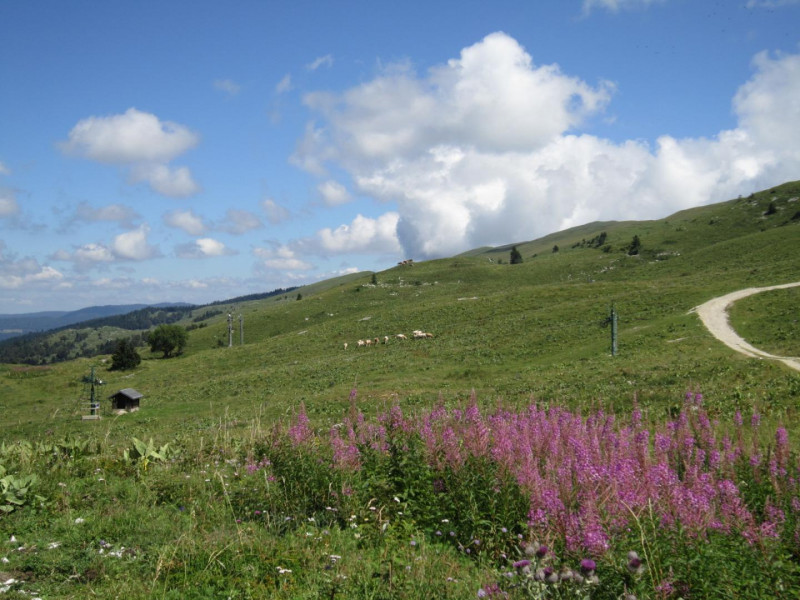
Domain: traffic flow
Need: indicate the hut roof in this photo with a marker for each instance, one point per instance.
(128, 393)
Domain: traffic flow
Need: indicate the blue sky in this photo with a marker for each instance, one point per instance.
(196, 151)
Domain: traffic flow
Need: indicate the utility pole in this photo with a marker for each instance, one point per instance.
(613, 331)
(230, 330)
(241, 330)
(612, 320)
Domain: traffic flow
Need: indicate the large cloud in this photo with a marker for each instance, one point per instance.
(487, 150)
(363, 236)
(129, 246)
(141, 142)
(492, 97)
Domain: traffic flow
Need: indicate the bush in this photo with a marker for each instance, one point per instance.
(125, 356)
(168, 339)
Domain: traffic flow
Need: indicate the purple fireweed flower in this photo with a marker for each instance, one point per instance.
(755, 420)
(781, 437)
(300, 431)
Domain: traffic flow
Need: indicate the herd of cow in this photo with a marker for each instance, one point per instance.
(417, 334)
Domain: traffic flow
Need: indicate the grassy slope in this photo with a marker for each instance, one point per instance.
(509, 332)
(770, 321)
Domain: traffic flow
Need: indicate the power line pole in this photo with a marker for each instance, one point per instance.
(230, 330)
(612, 320)
(613, 330)
(241, 330)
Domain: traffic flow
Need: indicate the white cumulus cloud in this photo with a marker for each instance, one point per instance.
(141, 142)
(203, 248)
(487, 149)
(92, 253)
(165, 180)
(333, 193)
(185, 220)
(362, 235)
(17, 273)
(133, 245)
(281, 258)
(131, 137)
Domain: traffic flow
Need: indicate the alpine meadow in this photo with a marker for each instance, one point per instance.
(314, 445)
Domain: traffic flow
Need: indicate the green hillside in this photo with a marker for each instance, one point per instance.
(509, 332)
(510, 455)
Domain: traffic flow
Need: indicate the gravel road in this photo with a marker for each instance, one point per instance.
(714, 315)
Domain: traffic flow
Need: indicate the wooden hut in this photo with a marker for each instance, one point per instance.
(127, 400)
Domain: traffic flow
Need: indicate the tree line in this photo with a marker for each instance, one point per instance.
(47, 347)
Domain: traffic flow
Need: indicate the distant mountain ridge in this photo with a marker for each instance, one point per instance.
(19, 324)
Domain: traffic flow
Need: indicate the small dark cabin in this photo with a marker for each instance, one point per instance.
(127, 399)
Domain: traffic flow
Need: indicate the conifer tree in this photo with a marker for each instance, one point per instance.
(125, 356)
(635, 246)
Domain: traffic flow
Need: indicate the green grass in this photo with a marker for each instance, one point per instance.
(511, 333)
(770, 321)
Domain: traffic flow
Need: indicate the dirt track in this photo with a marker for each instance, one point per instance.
(714, 315)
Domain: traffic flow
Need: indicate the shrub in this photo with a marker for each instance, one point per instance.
(125, 356)
(168, 339)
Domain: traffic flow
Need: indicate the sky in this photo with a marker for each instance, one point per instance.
(193, 151)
